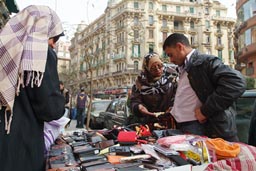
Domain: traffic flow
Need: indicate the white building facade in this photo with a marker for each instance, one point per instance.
(109, 51)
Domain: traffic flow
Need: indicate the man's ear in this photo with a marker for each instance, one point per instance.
(180, 46)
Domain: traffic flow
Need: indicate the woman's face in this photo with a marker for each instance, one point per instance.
(156, 69)
(51, 43)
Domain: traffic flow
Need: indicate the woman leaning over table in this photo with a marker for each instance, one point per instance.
(153, 92)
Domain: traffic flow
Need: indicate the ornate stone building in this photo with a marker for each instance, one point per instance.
(246, 37)
(108, 52)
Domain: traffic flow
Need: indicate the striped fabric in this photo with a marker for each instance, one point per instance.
(23, 48)
(245, 161)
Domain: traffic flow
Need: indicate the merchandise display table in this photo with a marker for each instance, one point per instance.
(94, 151)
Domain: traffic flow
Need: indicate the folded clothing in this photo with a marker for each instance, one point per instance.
(223, 149)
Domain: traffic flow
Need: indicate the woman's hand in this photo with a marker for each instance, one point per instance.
(145, 111)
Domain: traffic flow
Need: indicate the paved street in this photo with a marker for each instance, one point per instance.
(72, 126)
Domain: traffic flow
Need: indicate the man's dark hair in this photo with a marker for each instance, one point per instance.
(175, 38)
(61, 82)
(82, 89)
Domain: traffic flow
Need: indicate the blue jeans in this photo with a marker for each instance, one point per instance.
(191, 127)
(80, 117)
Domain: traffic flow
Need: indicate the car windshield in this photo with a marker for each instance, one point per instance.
(100, 105)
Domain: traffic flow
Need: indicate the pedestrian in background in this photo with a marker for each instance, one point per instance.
(81, 103)
(65, 93)
(153, 92)
(29, 91)
(207, 90)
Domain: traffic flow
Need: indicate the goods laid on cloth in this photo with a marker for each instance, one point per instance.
(89, 151)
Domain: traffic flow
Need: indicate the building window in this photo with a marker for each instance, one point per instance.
(218, 27)
(192, 39)
(250, 69)
(208, 39)
(136, 34)
(248, 37)
(208, 51)
(220, 54)
(206, 10)
(151, 34)
(191, 10)
(164, 23)
(136, 20)
(151, 48)
(178, 25)
(150, 5)
(207, 24)
(136, 50)
(164, 35)
(192, 25)
(218, 13)
(178, 9)
(136, 65)
(219, 40)
(136, 5)
(164, 8)
(151, 20)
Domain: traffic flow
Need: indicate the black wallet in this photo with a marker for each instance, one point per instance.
(101, 167)
(93, 163)
(120, 150)
(85, 159)
(85, 150)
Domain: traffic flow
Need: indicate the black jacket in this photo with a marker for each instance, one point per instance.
(217, 86)
(252, 129)
(23, 148)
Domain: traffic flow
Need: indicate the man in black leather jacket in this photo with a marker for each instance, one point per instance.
(206, 91)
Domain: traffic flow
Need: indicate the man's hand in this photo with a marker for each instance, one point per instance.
(199, 116)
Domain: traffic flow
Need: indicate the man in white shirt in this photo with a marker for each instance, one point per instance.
(207, 90)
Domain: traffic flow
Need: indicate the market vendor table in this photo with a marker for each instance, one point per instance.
(60, 161)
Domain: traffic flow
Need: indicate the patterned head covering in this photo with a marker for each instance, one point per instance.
(23, 50)
(147, 84)
(149, 59)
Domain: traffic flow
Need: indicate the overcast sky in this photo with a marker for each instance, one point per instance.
(74, 11)
(71, 11)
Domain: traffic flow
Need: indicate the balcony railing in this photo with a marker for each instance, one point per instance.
(219, 46)
(195, 44)
(135, 55)
(218, 33)
(119, 56)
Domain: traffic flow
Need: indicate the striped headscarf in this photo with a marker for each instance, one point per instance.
(23, 50)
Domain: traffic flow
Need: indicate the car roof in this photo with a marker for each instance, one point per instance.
(249, 93)
(101, 100)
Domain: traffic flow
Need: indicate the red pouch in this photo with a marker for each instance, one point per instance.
(129, 137)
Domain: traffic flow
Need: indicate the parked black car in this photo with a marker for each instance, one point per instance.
(117, 113)
(97, 107)
(244, 107)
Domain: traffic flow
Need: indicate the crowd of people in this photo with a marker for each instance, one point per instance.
(196, 95)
